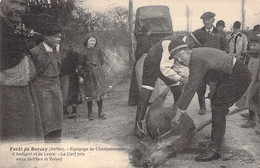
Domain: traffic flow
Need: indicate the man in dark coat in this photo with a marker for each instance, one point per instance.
(214, 38)
(19, 110)
(231, 85)
(143, 45)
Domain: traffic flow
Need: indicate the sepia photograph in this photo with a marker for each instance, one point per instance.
(130, 83)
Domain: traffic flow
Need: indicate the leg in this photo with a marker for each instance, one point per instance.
(101, 114)
(176, 91)
(90, 114)
(201, 97)
(217, 134)
(218, 126)
(53, 137)
(133, 91)
(251, 121)
(74, 112)
(145, 96)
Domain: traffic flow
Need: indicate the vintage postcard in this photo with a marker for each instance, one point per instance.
(130, 83)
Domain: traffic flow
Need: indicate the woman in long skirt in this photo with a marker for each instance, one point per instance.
(94, 89)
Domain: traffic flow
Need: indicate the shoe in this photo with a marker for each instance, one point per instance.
(101, 115)
(74, 112)
(90, 116)
(65, 112)
(245, 115)
(249, 124)
(72, 115)
(208, 156)
(202, 111)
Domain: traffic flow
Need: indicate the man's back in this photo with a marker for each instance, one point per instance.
(214, 59)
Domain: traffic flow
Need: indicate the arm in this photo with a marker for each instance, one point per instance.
(166, 64)
(198, 69)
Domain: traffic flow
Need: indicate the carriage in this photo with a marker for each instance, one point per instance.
(158, 17)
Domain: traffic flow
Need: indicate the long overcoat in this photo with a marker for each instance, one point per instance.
(47, 86)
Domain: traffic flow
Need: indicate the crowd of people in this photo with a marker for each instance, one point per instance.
(229, 64)
(33, 102)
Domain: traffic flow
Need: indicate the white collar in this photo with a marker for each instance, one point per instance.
(47, 47)
(210, 30)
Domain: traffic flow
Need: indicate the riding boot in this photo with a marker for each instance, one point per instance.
(90, 114)
(145, 96)
(101, 114)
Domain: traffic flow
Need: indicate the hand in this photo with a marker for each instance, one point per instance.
(184, 81)
(177, 118)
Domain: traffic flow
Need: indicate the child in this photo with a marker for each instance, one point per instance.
(47, 83)
(91, 60)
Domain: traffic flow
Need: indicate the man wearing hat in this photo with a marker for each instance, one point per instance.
(158, 65)
(237, 42)
(19, 110)
(209, 36)
(220, 25)
(231, 85)
(144, 43)
(47, 61)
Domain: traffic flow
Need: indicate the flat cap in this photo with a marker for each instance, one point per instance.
(207, 15)
(221, 23)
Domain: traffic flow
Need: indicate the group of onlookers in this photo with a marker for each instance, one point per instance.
(31, 102)
(229, 73)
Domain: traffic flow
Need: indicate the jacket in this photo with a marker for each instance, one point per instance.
(203, 60)
(237, 44)
(144, 43)
(217, 39)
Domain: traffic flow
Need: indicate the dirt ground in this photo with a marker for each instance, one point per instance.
(241, 149)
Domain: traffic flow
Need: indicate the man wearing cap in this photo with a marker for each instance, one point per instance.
(231, 85)
(209, 36)
(47, 61)
(220, 25)
(19, 110)
(158, 65)
(237, 42)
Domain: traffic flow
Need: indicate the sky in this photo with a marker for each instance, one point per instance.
(227, 10)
